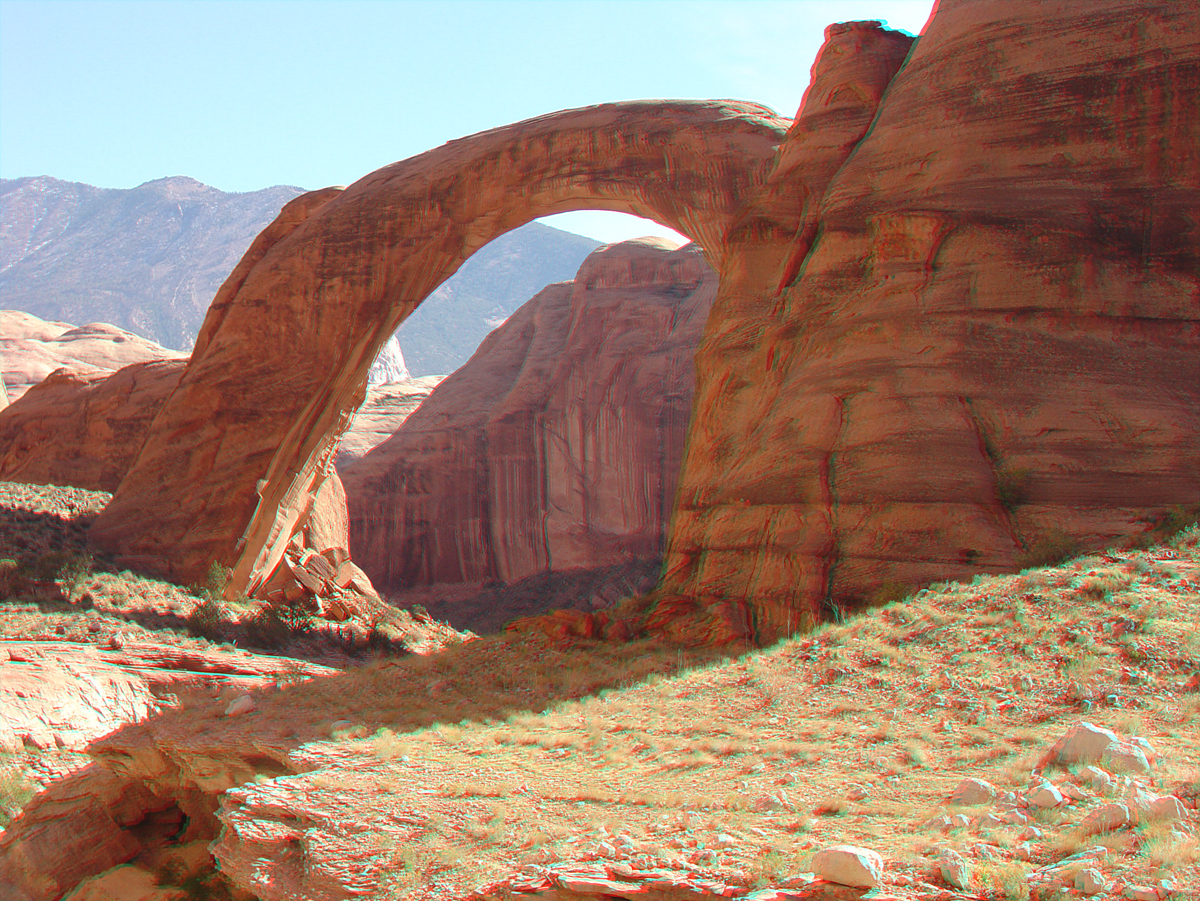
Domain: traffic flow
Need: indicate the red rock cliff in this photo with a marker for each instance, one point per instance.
(557, 445)
(988, 342)
(956, 323)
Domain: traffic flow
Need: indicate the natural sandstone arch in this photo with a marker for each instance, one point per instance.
(280, 364)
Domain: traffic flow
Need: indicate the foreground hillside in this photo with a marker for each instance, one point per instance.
(519, 766)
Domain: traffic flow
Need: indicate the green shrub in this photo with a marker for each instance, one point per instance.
(1011, 485)
(277, 623)
(208, 619)
(14, 580)
(1048, 549)
(16, 790)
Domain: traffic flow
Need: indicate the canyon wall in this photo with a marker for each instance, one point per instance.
(990, 349)
(956, 327)
(558, 445)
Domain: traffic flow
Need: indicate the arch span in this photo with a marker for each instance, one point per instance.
(281, 361)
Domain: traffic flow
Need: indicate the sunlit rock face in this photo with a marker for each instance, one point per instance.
(83, 426)
(558, 445)
(956, 321)
(990, 339)
(389, 365)
(32, 348)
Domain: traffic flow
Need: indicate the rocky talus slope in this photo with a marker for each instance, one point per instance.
(955, 328)
(1017, 737)
(557, 446)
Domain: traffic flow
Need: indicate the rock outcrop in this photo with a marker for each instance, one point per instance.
(558, 445)
(992, 339)
(83, 426)
(389, 365)
(251, 429)
(956, 321)
(66, 695)
(32, 348)
(386, 408)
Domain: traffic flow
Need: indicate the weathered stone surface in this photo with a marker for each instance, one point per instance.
(957, 312)
(848, 865)
(65, 695)
(558, 445)
(993, 336)
(382, 413)
(32, 348)
(265, 397)
(83, 426)
(74, 830)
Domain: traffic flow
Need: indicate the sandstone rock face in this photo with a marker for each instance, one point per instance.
(64, 695)
(558, 445)
(956, 322)
(979, 348)
(252, 427)
(32, 348)
(386, 408)
(83, 427)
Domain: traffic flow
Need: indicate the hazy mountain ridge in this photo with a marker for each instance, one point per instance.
(445, 330)
(148, 259)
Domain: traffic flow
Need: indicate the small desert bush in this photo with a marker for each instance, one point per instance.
(1048, 549)
(1011, 485)
(1007, 881)
(16, 790)
(208, 619)
(768, 868)
(74, 573)
(1103, 583)
(275, 624)
(14, 580)
(1168, 525)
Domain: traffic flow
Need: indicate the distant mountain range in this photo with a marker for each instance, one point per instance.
(150, 259)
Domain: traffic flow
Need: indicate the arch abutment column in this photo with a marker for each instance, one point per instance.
(281, 362)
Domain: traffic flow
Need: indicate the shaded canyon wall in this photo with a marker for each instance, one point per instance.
(558, 445)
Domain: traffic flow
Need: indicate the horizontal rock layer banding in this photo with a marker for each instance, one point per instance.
(956, 323)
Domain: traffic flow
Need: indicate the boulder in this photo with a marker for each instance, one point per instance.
(973, 791)
(848, 865)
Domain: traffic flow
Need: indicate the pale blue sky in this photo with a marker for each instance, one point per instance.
(244, 95)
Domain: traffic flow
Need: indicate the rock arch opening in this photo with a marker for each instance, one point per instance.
(543, 472)
(234, 456)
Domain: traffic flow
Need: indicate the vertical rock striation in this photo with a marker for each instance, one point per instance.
(558, 445)
(990, 340)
